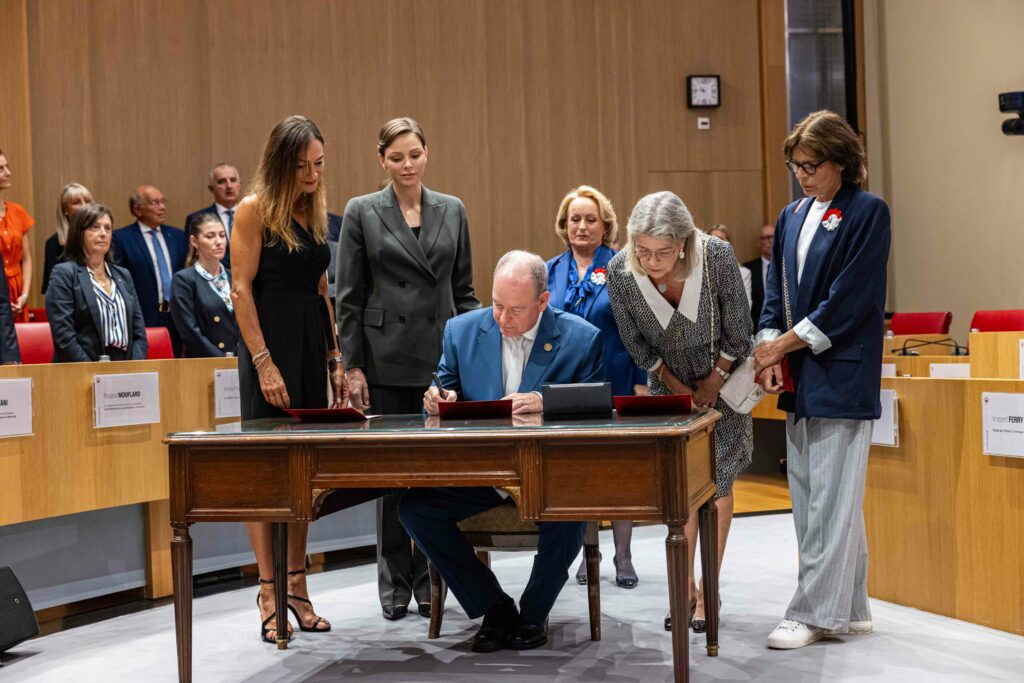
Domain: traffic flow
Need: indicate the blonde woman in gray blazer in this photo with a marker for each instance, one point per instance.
(404, 267)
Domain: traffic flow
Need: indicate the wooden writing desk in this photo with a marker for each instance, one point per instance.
(275, 470)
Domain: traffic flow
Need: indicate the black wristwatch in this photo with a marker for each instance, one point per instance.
(332, 363)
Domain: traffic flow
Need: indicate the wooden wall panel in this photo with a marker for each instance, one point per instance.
(520, 100)
(15, 123)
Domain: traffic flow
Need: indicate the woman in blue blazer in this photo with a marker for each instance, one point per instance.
(201, 304)
(90, 302)
(587, 225)
(823, 314)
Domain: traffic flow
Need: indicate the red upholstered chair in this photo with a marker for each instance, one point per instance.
(159, 340)
(34, 342)
(921, 323)
(998, 321)
(37, 315)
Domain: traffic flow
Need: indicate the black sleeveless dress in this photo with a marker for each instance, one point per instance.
(295, 323)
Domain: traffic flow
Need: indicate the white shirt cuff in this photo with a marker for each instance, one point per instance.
(766, 335)
(807, 331)
(726, 356)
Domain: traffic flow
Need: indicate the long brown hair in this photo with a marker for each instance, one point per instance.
(278, 194)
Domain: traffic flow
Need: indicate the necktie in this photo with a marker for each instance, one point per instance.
(514, 371)
(163, 270)
(231, 221)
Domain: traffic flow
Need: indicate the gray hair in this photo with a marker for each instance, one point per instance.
(525, 263)
(134, 199)
(661, 215)
(222, 164)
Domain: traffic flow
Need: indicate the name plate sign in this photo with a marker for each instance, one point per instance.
(16, 407)
(950, 370)
(126, 399)
(885, 431)
(1002, 424)
(227, 400)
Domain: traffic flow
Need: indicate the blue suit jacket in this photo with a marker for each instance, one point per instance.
(471, 354)
(212, 208)
(842, 292)
(206, 326)
(74, 315)
(131, 252)
(619, 367)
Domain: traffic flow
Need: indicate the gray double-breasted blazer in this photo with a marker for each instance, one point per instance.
(396, 292)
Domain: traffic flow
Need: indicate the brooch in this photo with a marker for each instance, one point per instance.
(598, 276)
(832, 219)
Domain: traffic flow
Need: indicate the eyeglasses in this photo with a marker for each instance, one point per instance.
(660, 255)
(806, 166)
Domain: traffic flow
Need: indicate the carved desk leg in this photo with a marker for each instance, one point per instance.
(279, 545)
(678, 585)
(708, 521)
(181, 569)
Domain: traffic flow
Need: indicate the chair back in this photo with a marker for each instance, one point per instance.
(159, 339)
(936, 322)
(34, 342)
(998, 321)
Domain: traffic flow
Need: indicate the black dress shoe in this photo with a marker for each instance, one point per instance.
(527, 637)
(424, 609)
(500, 623)
(394, 612)
(626, 581)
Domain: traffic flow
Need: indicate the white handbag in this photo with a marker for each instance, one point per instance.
(741, 392)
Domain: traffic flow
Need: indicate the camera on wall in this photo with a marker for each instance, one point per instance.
(1012, 102)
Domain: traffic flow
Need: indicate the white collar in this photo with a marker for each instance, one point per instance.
(689, 301)
(222, 209)
(145, 228)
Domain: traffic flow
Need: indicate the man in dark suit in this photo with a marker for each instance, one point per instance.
(759, 272)
(10, 353)
(152, 252)
(506, 351)
(226, 188)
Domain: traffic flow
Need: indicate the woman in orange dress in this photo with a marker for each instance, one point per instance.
(15, 246)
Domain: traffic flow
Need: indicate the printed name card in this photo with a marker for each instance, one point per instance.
(885, 431)
(888, 369)
(16, 407)
(950, 370)
(1002, 424)
(227, 400)
(126, 399)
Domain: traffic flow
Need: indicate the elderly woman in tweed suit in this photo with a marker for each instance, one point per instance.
(682, 312)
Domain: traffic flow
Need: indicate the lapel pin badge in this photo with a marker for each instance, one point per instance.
(548, 347)
(832, 219)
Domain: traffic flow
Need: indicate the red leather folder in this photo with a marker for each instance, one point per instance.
(455, 410)
(326, 414)
(673, 404)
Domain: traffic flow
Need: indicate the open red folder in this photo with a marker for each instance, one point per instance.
(455, 410)
(326, 414)
(673, 404)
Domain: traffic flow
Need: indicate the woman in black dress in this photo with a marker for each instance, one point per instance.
(289, 350)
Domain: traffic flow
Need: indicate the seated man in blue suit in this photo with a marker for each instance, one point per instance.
(152, 252)
(506, 351)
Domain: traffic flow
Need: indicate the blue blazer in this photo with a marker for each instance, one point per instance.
(131, 252)
(471, 354)
(74, 315)
(842, 292)
(206, 326)
(212, 209)
(619, 367)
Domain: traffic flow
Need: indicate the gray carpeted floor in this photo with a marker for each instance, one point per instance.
(758, 578)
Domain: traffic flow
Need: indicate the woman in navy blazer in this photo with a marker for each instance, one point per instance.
(587, 225)
(201, 304)
(823, 313)
(90, 302)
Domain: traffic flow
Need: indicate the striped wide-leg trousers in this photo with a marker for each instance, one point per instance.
(827, 461)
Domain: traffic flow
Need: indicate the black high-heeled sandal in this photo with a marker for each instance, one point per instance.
(701, 625)
(319, 620)
(263, 627)
(668, 617)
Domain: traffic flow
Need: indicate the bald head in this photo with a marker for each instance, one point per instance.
(148, 205)
(520, 292)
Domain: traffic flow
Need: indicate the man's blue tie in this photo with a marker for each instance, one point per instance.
(231, 221)
(161, 265)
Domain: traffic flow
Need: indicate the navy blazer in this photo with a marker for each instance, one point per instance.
(74, 315)
(211, 209)
(567, 349)
(206, 326)
(619, 367)
(131, 252)
(842, 292)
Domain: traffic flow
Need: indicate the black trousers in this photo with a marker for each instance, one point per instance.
(401, 568)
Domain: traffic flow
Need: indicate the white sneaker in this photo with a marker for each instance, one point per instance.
(857, 628)
(790, 635)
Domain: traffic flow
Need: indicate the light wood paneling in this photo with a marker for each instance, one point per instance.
(774, 107)
(996, 354)
(920, 366)
(944, 522)
(68, 467)
(761, 493)
(768, 409)
(520, 100)
(15, 120)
